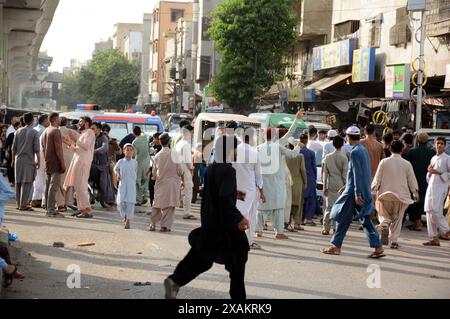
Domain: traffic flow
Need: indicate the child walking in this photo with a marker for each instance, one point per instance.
(126, 171)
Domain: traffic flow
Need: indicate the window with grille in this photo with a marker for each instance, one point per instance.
(344, 29)
(176, 14)
(206, 22)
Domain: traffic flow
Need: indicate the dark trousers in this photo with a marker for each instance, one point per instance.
(4, 254)
(415, 210)
(151, 189)
(195, 263)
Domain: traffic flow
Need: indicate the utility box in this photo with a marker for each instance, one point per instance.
(417, 5)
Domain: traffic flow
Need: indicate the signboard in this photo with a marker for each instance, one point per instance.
(301, 95)
(398, 78)
(333, 55)
(211, 105)
(447, 78)
(363, 65)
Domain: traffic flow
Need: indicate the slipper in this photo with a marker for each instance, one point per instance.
(84, 215)
(376, 255)
(331, 251)
(190, 217)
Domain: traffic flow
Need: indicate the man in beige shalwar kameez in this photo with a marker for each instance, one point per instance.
(80, 167)
(65, 198)
(167, 171)
(394, 183)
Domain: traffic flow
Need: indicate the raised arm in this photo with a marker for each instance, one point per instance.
(292, 129)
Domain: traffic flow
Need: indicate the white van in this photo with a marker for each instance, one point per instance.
(205, 127)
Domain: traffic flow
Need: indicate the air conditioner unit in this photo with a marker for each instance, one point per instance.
(417, 5)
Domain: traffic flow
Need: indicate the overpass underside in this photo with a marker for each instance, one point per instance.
(23, 26)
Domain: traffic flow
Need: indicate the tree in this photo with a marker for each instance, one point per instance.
(108, 80)
(71, 93)
(253, 38)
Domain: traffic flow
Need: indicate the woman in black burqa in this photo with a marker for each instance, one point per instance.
(221, 238)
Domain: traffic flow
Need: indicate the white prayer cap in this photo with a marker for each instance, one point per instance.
(353, 130)
(332, 134)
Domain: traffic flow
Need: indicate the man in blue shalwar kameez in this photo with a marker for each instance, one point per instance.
(356, 198)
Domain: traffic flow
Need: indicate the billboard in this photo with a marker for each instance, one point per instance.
(363, 65)
(211, 105)
(301, 95)
(398, 78)
(333, 55)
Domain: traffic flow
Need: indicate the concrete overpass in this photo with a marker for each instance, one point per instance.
(23, 26)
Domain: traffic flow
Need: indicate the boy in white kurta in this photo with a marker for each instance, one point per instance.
(438, 178)
(126, 170)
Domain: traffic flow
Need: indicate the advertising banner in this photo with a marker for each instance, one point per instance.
(333, 55)
(398, 78)
(363, 65)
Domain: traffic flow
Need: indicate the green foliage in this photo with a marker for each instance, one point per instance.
(109, 80)
(253, 38)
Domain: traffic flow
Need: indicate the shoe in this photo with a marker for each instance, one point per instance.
(325, 232)
(171, 288)
(385, 235)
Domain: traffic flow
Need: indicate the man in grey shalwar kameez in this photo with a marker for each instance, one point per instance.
(25, 151)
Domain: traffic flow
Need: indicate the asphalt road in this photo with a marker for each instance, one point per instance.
(293, 268)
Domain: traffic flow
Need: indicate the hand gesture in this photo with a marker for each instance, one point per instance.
(243, 224)
(359, 200)
(262, 197)
(299, 116)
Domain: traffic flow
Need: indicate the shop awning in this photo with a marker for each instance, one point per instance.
(328, 82)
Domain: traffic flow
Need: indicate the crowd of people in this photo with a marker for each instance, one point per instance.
(248, 188)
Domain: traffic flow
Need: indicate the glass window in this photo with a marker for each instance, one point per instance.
(148, 129)
(118, 130)
(176, 14)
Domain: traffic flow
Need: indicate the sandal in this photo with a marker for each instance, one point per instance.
(394, 246)
(331, 251)
(165, 230)
(26, 209)
(255, 246)
(190, 217)
(325, 232)
(376, 255)
(84, 215)
(75, 214)
(152, 227)
(8, 278)
(432, 243)
(298, 227)
(291, 229)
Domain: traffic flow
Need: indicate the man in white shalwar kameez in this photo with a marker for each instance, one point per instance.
(249, 181)
(274, 180)
(38, 198)
(438, 179)
(284, 141)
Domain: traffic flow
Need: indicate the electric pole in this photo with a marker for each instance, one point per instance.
(420, 76)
